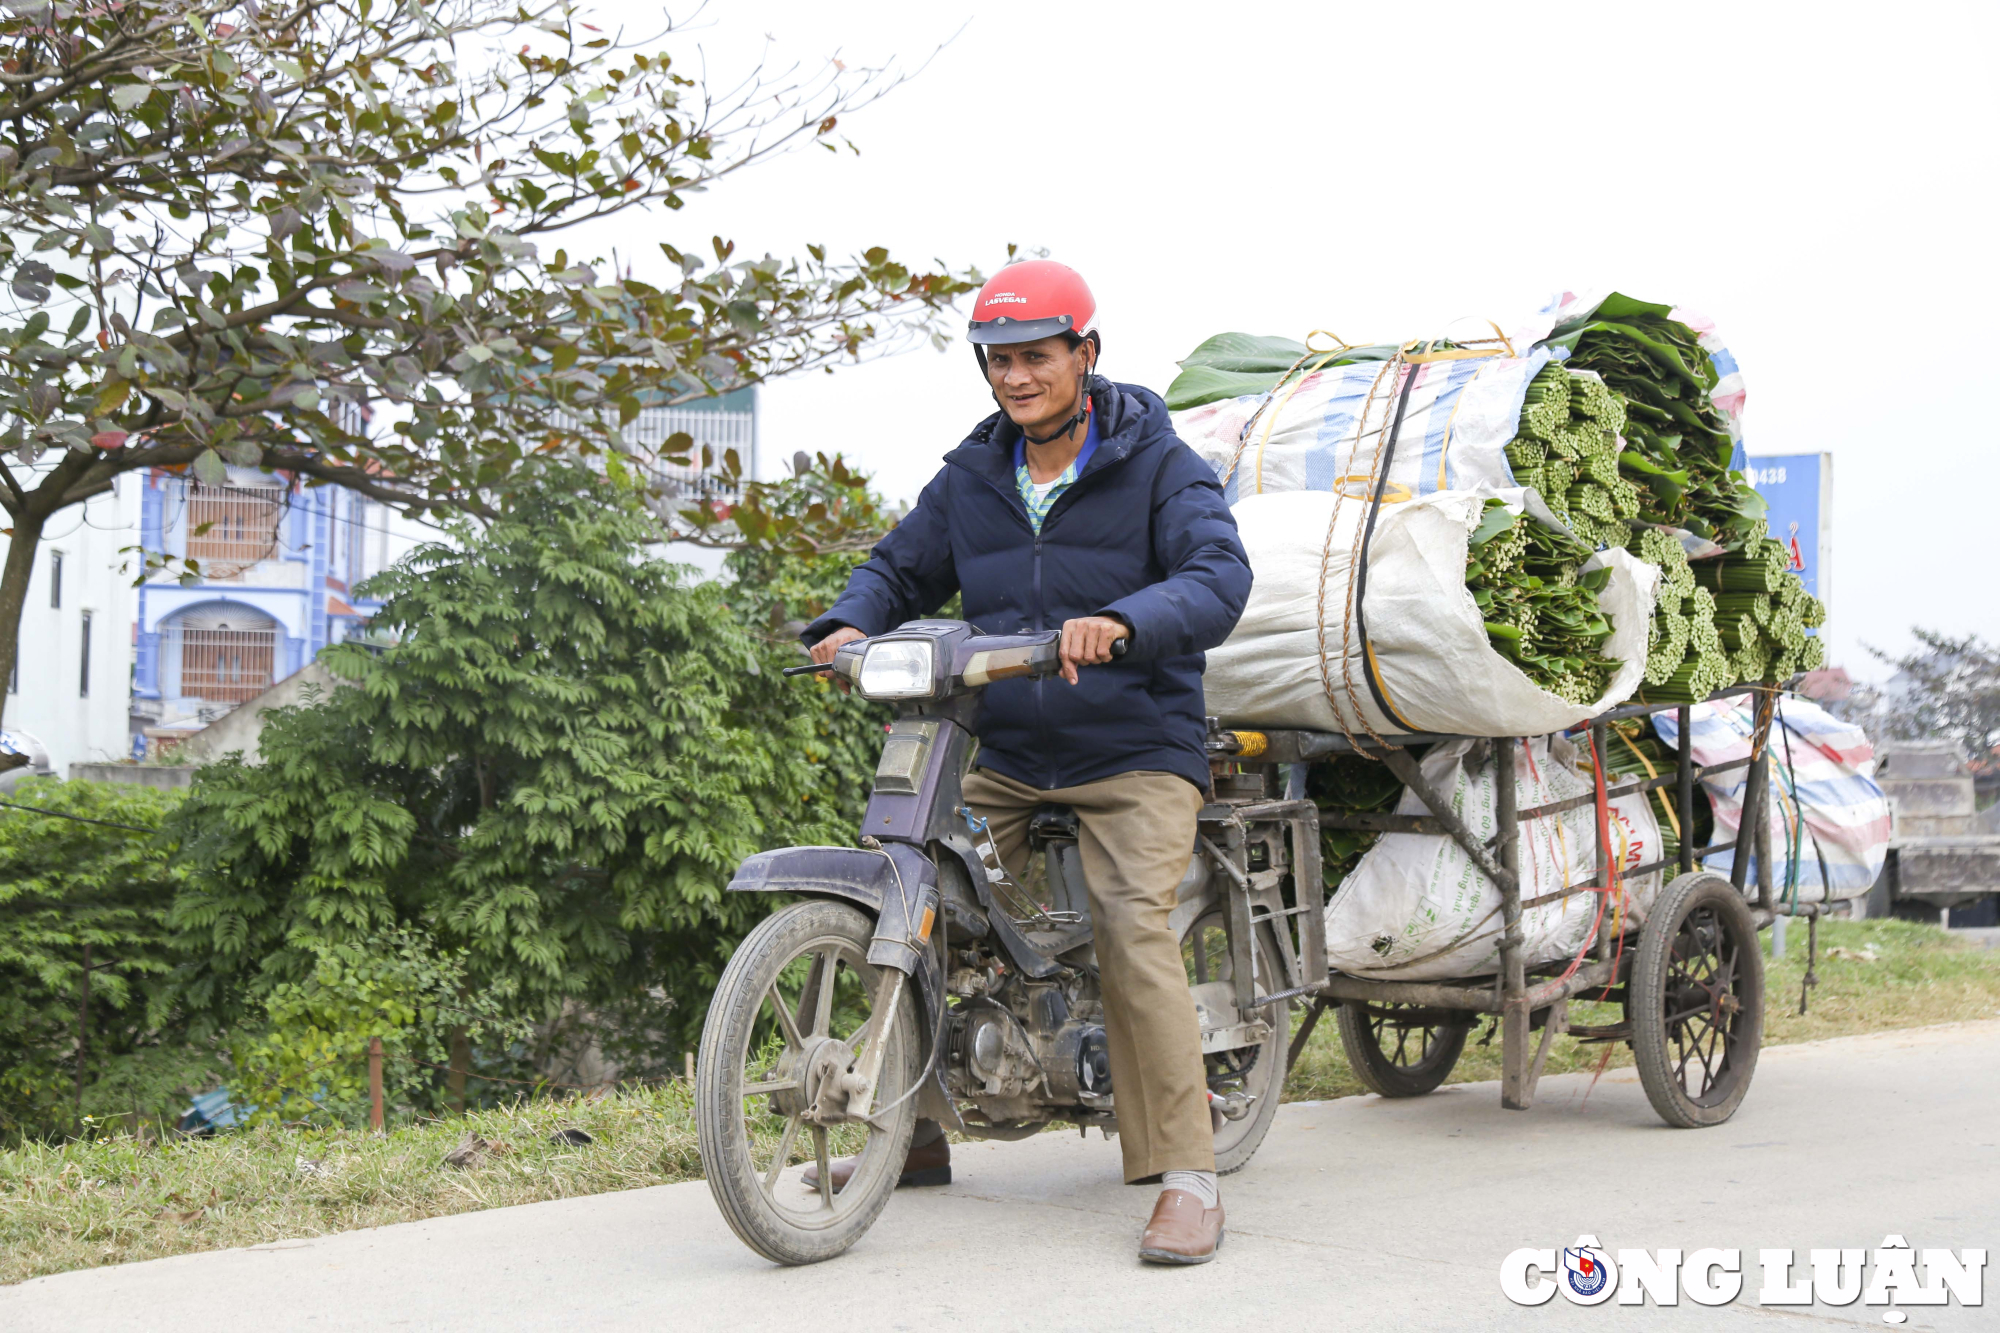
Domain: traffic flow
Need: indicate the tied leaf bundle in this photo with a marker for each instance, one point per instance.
(1539, 604)
(1677, 445)
(1685, 656)
(1349, 784)
(1568, 451)
(1763, 613)
(1740, 617)
(1633, 751)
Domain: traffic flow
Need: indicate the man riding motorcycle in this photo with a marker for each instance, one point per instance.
(1076, 506)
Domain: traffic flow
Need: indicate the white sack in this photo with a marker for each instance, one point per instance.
(1416, 907)
(1321, 432)
(1297, 656)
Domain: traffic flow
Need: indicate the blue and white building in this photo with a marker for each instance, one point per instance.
(279, 563)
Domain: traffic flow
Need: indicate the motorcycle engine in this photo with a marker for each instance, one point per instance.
(1019, 1051)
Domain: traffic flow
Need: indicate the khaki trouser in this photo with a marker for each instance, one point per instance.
(1137, 833)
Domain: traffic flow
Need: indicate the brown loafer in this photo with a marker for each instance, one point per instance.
(1181, 1231)
(928, 1165)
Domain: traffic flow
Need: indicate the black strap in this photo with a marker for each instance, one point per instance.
(1367, 537)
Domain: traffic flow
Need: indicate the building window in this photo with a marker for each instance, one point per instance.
(55, 579)
(231, 528)
(83, 682)
(224, 660)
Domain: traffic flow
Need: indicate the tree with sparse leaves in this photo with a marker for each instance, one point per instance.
(1947, 690)
(225, 224)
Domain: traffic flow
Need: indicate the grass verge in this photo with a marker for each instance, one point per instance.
(116, 1200)
(79, 1205)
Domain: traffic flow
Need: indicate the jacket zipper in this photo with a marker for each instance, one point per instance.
(1041, 711)
(1020, 510)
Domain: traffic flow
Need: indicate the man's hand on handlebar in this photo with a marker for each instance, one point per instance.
(1087, 640)
(823, 651)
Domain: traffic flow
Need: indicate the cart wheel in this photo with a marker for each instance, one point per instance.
(1697, 1001)
(1401, 1050)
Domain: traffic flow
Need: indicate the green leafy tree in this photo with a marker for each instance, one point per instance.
(225, 226)
(87, 1025)
(792, 545)
(310, 1061)
(556, 772)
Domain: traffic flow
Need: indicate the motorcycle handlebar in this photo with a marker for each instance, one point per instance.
(1119, 647)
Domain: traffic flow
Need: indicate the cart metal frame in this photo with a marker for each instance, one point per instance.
(1518, 996)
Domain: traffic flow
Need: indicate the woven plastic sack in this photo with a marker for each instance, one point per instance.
(1416, 907)
(1320, 431)
(1824, 799)
(1412, 654)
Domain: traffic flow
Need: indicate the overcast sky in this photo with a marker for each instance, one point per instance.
(1818, 179)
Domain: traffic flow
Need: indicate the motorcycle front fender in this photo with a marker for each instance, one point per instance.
(896, 885)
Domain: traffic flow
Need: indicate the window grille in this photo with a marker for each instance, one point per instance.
(720, 431)
(222, 665)
(241, 527)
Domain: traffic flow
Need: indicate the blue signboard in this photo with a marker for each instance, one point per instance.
(1799, 490)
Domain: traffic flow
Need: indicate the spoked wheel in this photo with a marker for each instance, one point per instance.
(789, 1022)
(1258, 1071)
(1697, 1001)
(1401, 1050)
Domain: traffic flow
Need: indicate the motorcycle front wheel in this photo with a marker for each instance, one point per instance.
(800, 981)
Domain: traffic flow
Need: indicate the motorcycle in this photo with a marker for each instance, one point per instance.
(916, 976)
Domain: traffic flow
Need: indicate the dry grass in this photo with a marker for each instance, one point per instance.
(116, 1200)
(1873, 976)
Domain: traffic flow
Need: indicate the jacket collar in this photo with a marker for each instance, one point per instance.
(1130, 418)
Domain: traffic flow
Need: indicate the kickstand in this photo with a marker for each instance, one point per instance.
(1812, 956)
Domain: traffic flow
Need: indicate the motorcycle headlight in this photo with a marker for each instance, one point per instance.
(898, 669)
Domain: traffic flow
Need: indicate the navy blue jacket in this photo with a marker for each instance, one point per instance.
(1143, 534)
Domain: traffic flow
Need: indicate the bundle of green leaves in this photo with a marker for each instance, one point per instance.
(1567, 450)
(1763, 612)
(551, 777)
(1539, 603)
(1632, 750)
(1349, 784)
(1677, 444)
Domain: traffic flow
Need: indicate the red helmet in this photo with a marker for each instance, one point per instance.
(1037, 298)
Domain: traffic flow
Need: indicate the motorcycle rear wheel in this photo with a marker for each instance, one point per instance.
(799, 980)
(1205, 954)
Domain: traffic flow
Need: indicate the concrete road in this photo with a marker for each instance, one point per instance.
(1358, 1214)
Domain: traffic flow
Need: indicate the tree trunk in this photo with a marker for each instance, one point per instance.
(461, 1066)
(82, 1031)
(22, 548)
